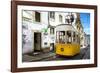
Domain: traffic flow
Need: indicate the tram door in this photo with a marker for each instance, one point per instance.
(37, 41)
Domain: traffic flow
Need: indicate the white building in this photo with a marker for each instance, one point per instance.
(36, 22)
(86, 40)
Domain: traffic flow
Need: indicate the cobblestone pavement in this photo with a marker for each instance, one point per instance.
(37, 57)
(51, 56)
(84, 54)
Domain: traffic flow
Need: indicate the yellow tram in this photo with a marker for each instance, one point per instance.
(67, 40)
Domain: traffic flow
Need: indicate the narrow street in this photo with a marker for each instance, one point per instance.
(51, 56)
(84, 54)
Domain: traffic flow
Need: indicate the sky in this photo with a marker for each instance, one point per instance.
(85, 20)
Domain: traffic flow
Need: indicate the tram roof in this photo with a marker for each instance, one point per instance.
(64, 24)
(65, 27)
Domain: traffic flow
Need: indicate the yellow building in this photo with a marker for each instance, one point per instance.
(80, 29)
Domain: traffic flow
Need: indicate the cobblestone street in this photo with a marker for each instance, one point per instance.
(51, 56)
(84, 54)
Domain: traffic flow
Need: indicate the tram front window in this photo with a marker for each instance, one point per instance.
(69, 38)
(60, 38)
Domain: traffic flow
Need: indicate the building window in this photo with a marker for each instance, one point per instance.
(37, 17)
(60, 18)
(51, 30)
(52, 15)
(45, 43)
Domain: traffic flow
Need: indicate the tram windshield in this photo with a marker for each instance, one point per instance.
(63, 37)
(60, 38)
(67, 37)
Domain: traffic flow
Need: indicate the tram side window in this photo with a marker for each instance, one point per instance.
(74, 37)
(69, 39)
(78, 39)
(62, 37)
(57, 37)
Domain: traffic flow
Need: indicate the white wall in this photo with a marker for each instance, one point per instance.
(31, 28)
(5, 38)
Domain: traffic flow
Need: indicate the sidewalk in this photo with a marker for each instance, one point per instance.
(37, 57)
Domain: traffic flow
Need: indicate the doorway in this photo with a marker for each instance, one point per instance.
(37, 41)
